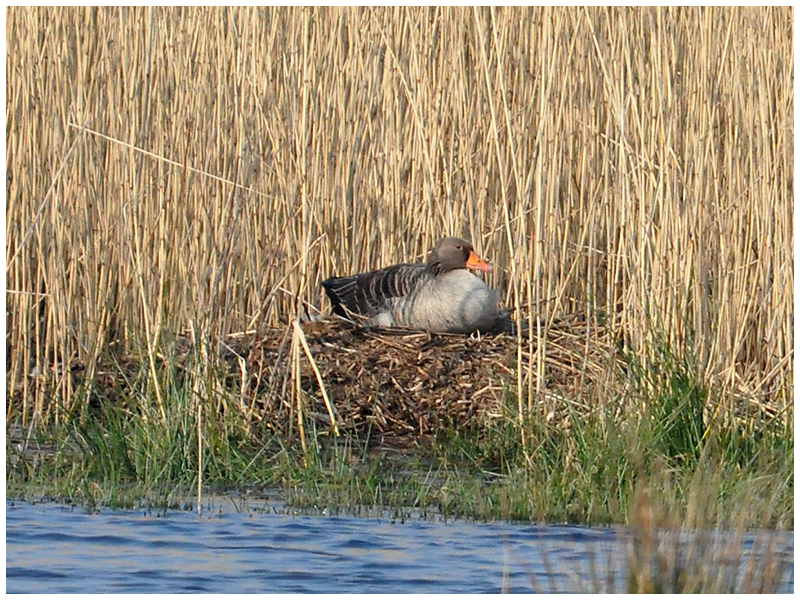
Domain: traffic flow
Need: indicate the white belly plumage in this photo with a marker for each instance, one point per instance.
(456, 302)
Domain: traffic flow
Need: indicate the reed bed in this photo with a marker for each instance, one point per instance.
(194, 173)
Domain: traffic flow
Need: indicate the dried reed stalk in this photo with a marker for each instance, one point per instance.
(631, 164)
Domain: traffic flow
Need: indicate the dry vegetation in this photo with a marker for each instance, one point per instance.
(197, 172)
(396, 385)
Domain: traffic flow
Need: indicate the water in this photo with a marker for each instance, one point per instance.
(57, 549)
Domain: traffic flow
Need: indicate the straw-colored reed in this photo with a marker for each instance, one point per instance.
(172, 168)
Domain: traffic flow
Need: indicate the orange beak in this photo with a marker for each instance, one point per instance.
(473, 262)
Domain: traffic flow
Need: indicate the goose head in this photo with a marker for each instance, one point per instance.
(453, 253)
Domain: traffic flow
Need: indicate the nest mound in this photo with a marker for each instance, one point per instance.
(399, 383)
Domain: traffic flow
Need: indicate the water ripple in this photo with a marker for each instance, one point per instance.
(55, 549)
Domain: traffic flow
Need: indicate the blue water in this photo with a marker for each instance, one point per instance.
(56, 549)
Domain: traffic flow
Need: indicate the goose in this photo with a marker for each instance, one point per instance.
(440, 296)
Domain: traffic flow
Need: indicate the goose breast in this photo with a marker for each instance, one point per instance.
(453, 302)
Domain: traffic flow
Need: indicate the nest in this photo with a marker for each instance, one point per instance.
(399, 383)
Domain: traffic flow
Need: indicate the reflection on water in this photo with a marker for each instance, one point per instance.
(56, 549)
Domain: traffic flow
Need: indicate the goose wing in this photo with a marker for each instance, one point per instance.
(368, 294)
